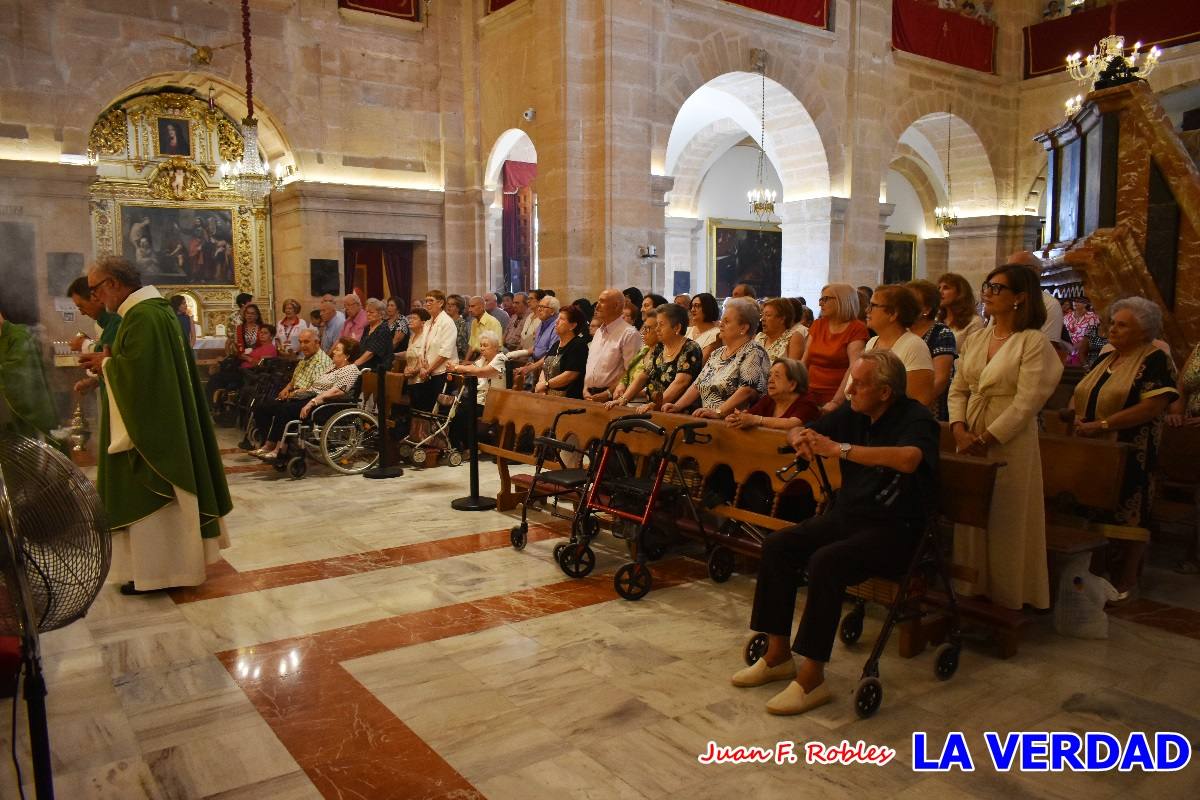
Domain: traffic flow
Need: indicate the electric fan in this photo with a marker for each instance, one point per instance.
(54, 556)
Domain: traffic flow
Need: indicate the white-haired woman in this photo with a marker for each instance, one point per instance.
(376, 353)
(786, 404)
(736, 374)
(488, 368)
(1124, 398)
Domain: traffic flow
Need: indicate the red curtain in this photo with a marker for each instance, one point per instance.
(401, 9)
(496, 5)
(518, 174)
(944, 35)
(515, 253)
(397, 267)
(810, 12)
(1152, 22)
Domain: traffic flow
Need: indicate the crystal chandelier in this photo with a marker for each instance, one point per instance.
(250, 176)
(762, 198)
(1109, 65)
(946, 216)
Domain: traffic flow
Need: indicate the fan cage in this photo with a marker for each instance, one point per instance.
(59, 531)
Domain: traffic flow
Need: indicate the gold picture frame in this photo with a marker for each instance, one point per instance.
(744, 251)
(899, 257)
(172, 245)
(173, 136)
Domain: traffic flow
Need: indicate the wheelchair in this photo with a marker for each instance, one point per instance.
(343, 435)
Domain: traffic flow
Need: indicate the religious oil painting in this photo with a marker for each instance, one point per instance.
(745, 252)
(174, 137)
(899, 257)
(175, 246)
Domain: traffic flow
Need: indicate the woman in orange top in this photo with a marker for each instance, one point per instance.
(835, 340)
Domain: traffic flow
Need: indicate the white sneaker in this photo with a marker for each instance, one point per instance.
(760, 674)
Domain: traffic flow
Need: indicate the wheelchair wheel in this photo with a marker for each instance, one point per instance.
(756, 648)
(350, 441)
(418, 456)
(518, 536)
(257, 438)
(850, 631)
(632, 581)
(720, 564)
(454, 459)
(945, 661)
(296, 467)
(577, 561)
(867, 697)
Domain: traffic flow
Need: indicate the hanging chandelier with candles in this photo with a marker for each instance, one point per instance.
(946, 216)
(250, 176)
(1110, 65)
(761, 197)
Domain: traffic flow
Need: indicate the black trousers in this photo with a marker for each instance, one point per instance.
(840, 552)
(273, 415)
(424, 395)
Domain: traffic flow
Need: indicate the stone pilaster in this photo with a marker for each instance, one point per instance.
(812, 244)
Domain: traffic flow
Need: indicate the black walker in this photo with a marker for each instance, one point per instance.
(927, 566)
(554, 482)
(630, 500)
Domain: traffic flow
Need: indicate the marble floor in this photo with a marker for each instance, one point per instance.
(362, 640)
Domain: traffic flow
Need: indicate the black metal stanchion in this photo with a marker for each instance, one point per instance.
(473, 502)
(383, 470)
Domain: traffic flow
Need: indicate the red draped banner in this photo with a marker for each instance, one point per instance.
(810, 12)
(1152, 22)
(947, 36)
(400, 9)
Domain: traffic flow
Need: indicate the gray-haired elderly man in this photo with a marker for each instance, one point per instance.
(356, 318)
(612, 350)
(332, 321)
(491, 306)
(888, 446)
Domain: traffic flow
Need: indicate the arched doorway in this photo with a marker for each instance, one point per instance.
(915, 183)
(712, 155)
(511, 212)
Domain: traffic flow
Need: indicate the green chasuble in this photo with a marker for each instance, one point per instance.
(109, 323)
(153, 381)
(24, 390)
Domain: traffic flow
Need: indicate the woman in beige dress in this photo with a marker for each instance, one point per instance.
(1005, 375)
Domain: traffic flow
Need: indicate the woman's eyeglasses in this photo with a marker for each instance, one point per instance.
(826, 299)
(880, 305)
(990, 287)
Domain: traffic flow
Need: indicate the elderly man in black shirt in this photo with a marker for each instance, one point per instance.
(888, 444)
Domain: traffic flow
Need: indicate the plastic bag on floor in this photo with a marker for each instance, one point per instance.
(1079, 608)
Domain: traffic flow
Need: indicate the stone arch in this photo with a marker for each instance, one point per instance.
(513, 143)
(914, 170)
(973, 155)
(974, 189)
(725, 111)
(723, 53)
(272, 138)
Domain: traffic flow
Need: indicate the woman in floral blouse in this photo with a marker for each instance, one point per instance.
(736, 373)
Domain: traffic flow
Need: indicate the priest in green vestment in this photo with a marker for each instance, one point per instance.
(164, 479)
(26, 405)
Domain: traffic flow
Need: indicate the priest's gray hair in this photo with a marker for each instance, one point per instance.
(120, 270)
(377, 305)
(889, 371)
(1146, 312)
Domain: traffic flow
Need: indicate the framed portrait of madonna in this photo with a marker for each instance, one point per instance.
(741, 251)
(174, 137)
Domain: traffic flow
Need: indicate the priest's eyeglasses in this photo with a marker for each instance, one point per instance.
(93, 289)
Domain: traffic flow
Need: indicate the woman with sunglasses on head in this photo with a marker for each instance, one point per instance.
(704, 314)
(1005, 374)
(835, 340)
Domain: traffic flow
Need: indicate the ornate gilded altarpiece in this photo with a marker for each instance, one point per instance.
(159, 202)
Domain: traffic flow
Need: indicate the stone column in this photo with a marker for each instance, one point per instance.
(813, 231)
(683, 251)
(978, 244)
(937, 255)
